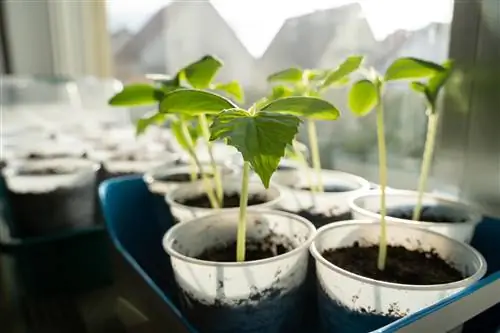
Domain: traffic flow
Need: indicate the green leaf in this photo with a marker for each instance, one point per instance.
(316, 74)
(288, 75)
(261, 138)
(411, 68)
(350, 65)
(363, 97)
(280, 92)
(310, 107)
(137, 94)
(201, 73)
(176, 128)
(192, 102)
(418, 87)
(233, 89)
(437, 81)
(145, 122)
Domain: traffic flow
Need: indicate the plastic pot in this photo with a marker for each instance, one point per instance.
(230, 186)
(459, 220)
(255, 296)
(49, 195)
(339, 187)
(158, 181)
(352, 303)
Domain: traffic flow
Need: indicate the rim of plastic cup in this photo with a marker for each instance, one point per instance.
(82, 165)
(473, 217)
(481, 271)
(168, 239)
(364, 184)
(171, 196)
(149, 176)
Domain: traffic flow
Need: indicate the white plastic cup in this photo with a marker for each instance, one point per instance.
(295, 199)
(367, 205)
(154, 178)
(352, 303)
(231, 185)
(256, 296)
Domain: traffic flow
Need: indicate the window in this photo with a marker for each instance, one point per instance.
(256, 38)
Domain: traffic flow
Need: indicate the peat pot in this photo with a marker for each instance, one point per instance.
(49, 195)
(446, 216)
(352, 300)
(320, 208)
(166, 178)
(190, 201)
(264, 294)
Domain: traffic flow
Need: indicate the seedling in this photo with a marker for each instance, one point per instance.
(430, 90)
(260, 133)
(313, 82)
(199, 74)
(367, 94)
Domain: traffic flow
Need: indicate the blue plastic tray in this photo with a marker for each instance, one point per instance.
(137, 221)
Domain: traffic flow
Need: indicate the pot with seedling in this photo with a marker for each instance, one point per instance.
(317, 194)
(369, 277)
(244, 270)
(449, 217)
(187, 128)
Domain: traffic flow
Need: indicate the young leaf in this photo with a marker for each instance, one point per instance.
(311, 107)
(316, 74)
(411, 68)
(145, 122)
(176, 128)
(287, 75)
(233, 89)
(261, 138)
(137, 94)
(437, 81)
(350, 65)
(192, 102)
(363, 97)
(200, 73)
(280, 92)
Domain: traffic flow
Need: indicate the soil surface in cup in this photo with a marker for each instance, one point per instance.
(331, 188)
(180, 177)
(402, 266)
(48, 156)
(321, 219)
(230, 201)
(49, 171)
(271, 246)
(436, 214)
(286, 168)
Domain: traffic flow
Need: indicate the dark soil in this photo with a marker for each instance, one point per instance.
(286, 167)
(403, 266)
(180, 177)
(321, 219)
(48, 156)
(271, 246)
(437, 214)
(230, 201)
(47, 171)
(331, 188)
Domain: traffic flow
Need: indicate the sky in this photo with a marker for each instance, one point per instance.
(256, 22)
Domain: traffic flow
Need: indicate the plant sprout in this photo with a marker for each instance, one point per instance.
(313, 82)
(367, 94)
(431, 93)
(199, 74)
(260, 133)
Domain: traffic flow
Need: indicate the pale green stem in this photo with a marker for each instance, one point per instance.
(313, 144)
(382, 254)
(217, 176)
(194, 168)
(303, 161)
(242, 222)
(427, 161)
(206, 182)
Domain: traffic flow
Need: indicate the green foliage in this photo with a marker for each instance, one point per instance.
(261, 138)
(411, 68)
(310, 107)
(435, 83)
(193, 102)
(202, 72)
(136, 95)
(292, 75)
(233, 89)
(144, 122)
(363, 97)
(341, 74)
